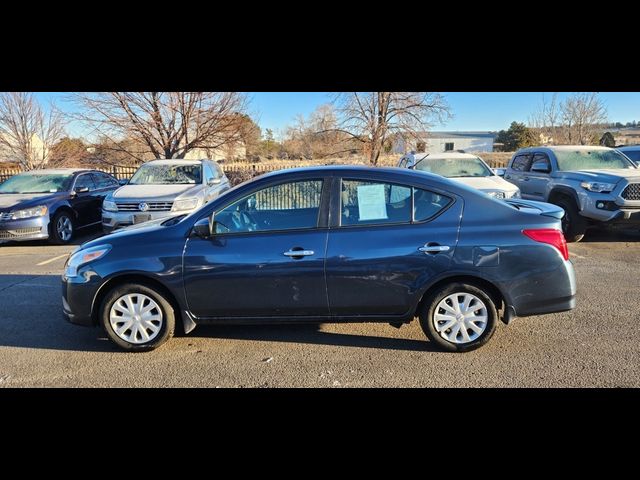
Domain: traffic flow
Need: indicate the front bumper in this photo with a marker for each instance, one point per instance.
(113, 220)
(78, 294)
(36, 228)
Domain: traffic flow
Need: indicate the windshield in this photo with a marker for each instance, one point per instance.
(167, 175)
(455, 167)
(633, 155)
(37, 183)
(591, 159)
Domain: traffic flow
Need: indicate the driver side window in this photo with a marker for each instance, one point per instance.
(288, 206)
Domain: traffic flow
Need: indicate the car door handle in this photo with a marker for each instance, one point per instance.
(434, 248)
(299, 253)
(526, 179)
(507, 176)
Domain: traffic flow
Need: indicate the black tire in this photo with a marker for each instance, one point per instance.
(428, 311)
(574, 225)
(168, 321)
(54, 235)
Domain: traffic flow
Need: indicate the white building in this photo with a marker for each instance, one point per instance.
(438, 142)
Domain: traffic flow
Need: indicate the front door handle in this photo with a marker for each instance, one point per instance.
(526, 179)
(299, 253)
(434, 248)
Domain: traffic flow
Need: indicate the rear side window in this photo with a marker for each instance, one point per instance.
(428, 204)
(374, 203)
(378, 203)
(542, 159)
(521, 163)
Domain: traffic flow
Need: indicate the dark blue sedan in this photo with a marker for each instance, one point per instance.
(328, 244)
(52, 204)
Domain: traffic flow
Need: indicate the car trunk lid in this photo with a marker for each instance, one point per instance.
(541, 208)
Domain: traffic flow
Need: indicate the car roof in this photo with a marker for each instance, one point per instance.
(175, 161)
(562, 148)
(444, 156)
(389, 173)
(53, 171)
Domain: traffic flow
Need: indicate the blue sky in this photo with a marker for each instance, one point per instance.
(471, 110)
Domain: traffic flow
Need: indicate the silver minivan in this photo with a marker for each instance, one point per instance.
(163, 188)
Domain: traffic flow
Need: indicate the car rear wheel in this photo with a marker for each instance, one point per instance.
(61, 228)
(137, 317)
(459, 317)
(574, 225)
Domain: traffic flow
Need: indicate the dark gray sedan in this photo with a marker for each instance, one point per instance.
(52, 204)
(328, 244)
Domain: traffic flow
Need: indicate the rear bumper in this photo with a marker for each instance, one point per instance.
(36, 228)
(549, 292)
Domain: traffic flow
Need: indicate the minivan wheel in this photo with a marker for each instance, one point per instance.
(136, 317)
(574, 225)
(459, 317)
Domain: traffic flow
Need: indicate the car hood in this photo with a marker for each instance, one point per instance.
(155, 192)
(17, 201)
(487, 183)
(603, 175)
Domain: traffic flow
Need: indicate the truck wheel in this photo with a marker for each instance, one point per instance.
(574, 225)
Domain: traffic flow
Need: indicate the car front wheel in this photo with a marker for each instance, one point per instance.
(459, 317)
(137, 317)
(61, 228)
(574, 225)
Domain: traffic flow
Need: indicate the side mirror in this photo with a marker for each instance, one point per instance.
(499, 171)
(204, 227)
(214, 181)
(80, 190)
(123, 181)
(540, 167)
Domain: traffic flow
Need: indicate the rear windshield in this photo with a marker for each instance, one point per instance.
(591, 159)
(455, 167)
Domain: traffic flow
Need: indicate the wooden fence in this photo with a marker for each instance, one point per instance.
(239, 172)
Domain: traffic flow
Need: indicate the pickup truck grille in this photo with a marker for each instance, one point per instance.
(632, 192)
(153, 206)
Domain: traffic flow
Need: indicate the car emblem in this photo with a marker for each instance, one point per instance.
(143, 207)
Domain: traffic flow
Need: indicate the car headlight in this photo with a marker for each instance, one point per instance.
(516, 194)
(185, 204)
(495, 194)
(109, 206)
(82, 257)
(598, 187)
(39, 211)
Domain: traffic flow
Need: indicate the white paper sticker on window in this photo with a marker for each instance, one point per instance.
(371, 202)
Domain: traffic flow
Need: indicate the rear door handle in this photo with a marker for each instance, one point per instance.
(299, 253)
(434, 248)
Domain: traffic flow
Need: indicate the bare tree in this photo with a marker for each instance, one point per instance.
(583, 114)
(167, 124)
(27, 131)
(576, 120)
(547, 120)
(374, 118)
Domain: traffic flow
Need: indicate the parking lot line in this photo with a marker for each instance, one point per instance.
(576, 255)
(52, 260)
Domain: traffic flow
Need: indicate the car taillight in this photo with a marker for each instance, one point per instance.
(551, 236)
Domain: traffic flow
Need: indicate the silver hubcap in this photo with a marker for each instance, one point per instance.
(64, 228)
(460, 318)
(136, 318)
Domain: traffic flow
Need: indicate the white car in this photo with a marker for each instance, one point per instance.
(464, 168)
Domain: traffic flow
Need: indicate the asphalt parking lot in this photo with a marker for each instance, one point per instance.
(596, 345)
